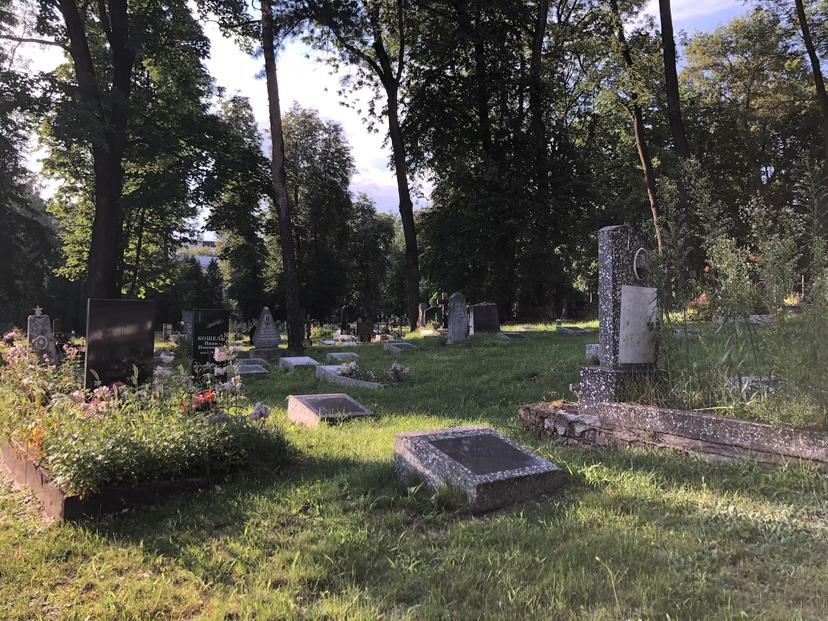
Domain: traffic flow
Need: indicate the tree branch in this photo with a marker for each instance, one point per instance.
(31, 40)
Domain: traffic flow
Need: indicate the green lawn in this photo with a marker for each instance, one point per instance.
(334, 536)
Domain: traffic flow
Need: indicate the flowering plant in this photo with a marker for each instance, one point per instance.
(398, 372)
(701, 308)
(123, 435)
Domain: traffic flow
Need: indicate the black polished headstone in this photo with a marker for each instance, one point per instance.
(210, 328)
(483, 317)
(119, 339)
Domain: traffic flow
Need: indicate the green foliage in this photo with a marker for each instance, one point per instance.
(121, 436)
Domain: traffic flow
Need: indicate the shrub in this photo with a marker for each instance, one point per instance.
(125, 435)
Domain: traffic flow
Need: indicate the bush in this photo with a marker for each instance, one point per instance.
(125, 435)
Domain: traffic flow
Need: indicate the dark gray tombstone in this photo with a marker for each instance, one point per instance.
(483, 318)
(266, 338)
(210, 326)
(313, 410)
(187, 320)
(485, 467)
(119, 341)
(458, 318)
(41, 339)
(628, 311)
(512, 336)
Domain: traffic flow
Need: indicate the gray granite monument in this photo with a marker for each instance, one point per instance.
(41, 337)
(342, 356)
(294, 362)
(458, 318)
(628, 312)
(266, 337)
(484, 467)
(397, 347)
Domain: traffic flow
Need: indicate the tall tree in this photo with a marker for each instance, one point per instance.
(103, 97)
(637, 117)
(668, 45)
(293, 309)
(367, 34)
(816, 70)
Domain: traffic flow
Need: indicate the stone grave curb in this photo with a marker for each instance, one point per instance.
(710, 437)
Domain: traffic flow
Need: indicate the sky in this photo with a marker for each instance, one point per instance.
(303, 80)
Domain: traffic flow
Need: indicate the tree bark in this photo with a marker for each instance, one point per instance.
(536, 123)
(107, 155)
(668, 44)
(391, 82)
(819, 83)
(293, 309)
(638, 128)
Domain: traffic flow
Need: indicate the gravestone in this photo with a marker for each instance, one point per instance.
(593, 353)
(313, 410)
(210, 327)
(342, 356)
(397, 347)
(119, 341)
(40, 337)
(187, 320)
(458, 319)
(166, 332)
(422, 307)
(266, 338)
(572, 331)
(252, 366)
(628, 311)
(293, 362)
(365, 330)
(486, 468)
(483, 318)
(512, 336)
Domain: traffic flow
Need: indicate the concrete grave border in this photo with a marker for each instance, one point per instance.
(712, 438)
(332, 373)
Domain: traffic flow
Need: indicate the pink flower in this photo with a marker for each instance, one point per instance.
(220, 356)
(219, 371)
(167, 358)
(101, 392)
(162, 372)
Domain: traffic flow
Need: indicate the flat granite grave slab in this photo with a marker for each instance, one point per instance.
(252, 370)
(333, 373)
(261, 362)
(293, 362)
(511, 336)
(342, 356)
(571, 331)
(397, 347)
(313, 410)
(482, 465)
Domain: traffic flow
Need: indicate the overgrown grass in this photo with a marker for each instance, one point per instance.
(334, 536)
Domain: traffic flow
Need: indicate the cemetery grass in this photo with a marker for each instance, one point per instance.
(334, 536)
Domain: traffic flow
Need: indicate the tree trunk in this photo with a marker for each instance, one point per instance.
(293, 308)
(668, 44)
(638, 128)
(412, 259)
(538, 127)
(819, 83)
(105, 248)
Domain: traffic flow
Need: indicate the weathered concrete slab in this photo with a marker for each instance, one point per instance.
(710, 437)
(333, 373)
(397, 347)
(313, 410)
(342, 356)
(293, 362)
(572, 331)
(254, 370)
(486, 468)
(512, 336)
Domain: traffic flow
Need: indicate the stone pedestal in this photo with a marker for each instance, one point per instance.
(628, 312)
(458, 319)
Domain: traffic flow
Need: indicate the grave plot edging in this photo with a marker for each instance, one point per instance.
(60, 506)
(710, 437)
